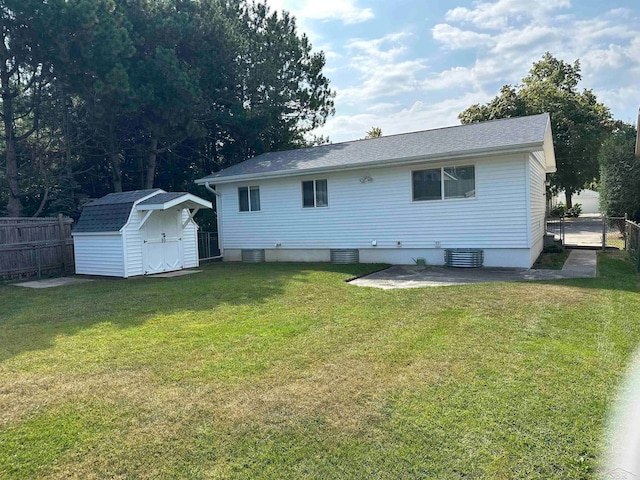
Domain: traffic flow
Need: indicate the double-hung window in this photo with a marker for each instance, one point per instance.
(315, 194)
(249, 199)
(444, 182)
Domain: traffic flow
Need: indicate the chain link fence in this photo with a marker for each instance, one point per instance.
(614, 232)
(632, 235)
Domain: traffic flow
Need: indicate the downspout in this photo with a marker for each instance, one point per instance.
(208, 186)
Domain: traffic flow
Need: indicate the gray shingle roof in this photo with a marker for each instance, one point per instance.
(109, 213)
(162, 198)
(495, 134)
(123, 197)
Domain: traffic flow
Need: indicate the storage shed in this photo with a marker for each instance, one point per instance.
(138, 233)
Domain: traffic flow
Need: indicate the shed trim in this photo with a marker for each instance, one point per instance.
(95, 234)
(184, 201)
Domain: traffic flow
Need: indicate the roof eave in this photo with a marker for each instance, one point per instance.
(529, 147)
(549, 152)
(93, 234)
(191, 200)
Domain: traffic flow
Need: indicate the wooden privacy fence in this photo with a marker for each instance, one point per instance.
(35, 246)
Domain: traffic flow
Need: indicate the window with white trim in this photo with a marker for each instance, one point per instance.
(443, 183)
(249, 199)
(315, 193)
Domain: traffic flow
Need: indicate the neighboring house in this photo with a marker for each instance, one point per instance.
(588, 199)
(137, 233)
(394, 198)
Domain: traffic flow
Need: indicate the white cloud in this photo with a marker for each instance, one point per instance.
(613, 57)
(454, 38)
(621, 98)
(420, 115)
(391, 81)
(346, 11)
(496, 15)
(382, 72)
(529, 36)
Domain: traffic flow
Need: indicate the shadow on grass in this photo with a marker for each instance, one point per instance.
(33, 319)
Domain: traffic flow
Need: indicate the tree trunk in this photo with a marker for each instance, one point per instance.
(214, 151)
(567, 195)
(150, 171)
(140, 172)
(14, 205)
(116, 171)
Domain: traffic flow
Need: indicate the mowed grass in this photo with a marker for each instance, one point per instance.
(286, 371)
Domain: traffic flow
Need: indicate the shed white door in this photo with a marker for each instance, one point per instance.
(162, 242)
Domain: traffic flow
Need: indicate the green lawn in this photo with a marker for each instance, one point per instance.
(286, 371)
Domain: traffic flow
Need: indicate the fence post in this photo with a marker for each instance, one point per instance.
(604, 232)
(625, 231)
(63, 243)
(38, 266)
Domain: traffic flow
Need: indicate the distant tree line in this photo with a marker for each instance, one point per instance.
(110, 95)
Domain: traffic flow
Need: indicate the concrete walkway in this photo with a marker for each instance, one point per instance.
(580, 264)
(52, 282)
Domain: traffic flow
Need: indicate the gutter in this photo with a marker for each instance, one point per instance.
(218, 201)
(380, 163)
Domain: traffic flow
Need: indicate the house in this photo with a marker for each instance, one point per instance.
(393, 199)
(137, 233)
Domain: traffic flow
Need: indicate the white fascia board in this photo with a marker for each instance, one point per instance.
(95, 234)
(530, 147)
(190, 200)
(549, 152)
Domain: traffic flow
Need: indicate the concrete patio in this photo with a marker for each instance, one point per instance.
(580, 264)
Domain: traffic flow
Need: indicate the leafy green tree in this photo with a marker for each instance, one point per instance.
(619, 186)
(106, 95)
(375, 132)
(25, 72)
(579, 122)
(281, 93)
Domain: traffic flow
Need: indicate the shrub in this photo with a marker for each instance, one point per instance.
(575, 211)
(555, 248)
(558, 211)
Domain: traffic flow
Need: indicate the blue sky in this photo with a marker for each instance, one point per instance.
(411, 65)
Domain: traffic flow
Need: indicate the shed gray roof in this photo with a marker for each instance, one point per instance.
(476, 137)
(162, 198)
(109, 213)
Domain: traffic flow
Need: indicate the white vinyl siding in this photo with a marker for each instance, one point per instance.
(133, 244)
(383, 210)
(537, 203)
(189, 243)
(105, 255)
(99, 255)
